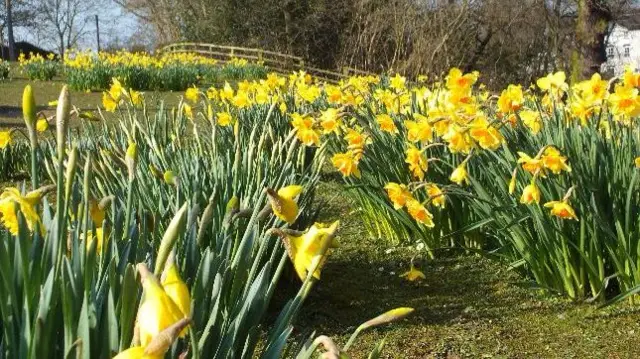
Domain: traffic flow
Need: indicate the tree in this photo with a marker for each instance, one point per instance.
(64, 21)
(14, 14)
(593, 20)
(8, 23)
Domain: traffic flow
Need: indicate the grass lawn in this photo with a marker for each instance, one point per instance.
(468, 306)
(45, 91)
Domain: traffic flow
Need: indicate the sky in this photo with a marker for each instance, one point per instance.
(115, 24)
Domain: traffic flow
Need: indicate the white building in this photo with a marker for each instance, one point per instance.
(623, 45)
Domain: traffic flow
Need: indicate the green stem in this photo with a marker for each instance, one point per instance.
(127, 218)
(194, 343)
(34, 160)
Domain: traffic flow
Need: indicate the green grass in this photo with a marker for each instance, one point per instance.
(468, 306)
(45, 91)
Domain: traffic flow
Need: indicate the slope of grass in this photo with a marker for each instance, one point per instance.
(467, 307)
(45, 91)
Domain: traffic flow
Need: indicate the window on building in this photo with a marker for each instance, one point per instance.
(627, 51)
(610, 51)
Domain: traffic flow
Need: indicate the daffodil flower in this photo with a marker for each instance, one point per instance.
(158, 310)
(5, 139)
(398, 194)
(561, 209)
(283, 202)
(310, 248)
(12, 201)
(413, 274)
(459, 175)
(530, 194)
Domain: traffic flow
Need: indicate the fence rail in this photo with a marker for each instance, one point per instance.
(278, 62)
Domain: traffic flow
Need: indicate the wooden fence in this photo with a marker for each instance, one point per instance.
(275, 61)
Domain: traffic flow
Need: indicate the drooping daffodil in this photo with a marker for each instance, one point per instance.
(283, 202)
(310, 249)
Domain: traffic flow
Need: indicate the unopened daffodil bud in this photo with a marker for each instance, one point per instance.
(131, 159)
(62, 119)
(29, 107)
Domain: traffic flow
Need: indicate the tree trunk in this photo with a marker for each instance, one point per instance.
(12, 41)
(287, 26)
(593, 22)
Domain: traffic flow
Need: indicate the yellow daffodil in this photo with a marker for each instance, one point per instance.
(136, 98)
(436, 195)
(420, 213)
(553, 83)
(99, 236)
(512, 182)
(631, 79)
(108, 102)
(552, 160)
(176, 289)
(637, 162)
(459, 175)
(158, 345)
(532, 120)
(12, 201)
(330, 121)
(305, 130)
(561, 209)
(417, 162)
(309, 248)
(511, 99)
(487, 136)
(188, 111)
(5, 139)
(42, 125)
(212, 93)
(136, 353)
(116, 89)
(397, 82)
(530, 194)
(413, 274)
(8, 215)
(224, 119)
(624, 103)
(457, 80)
(419, 131)
(531, 165)
(386, 123)
(593, 90)
(283, 202)
(398, 194)
(157, 310)
(192, 94)
(346, 163)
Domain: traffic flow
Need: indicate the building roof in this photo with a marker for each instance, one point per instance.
(630, 21)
